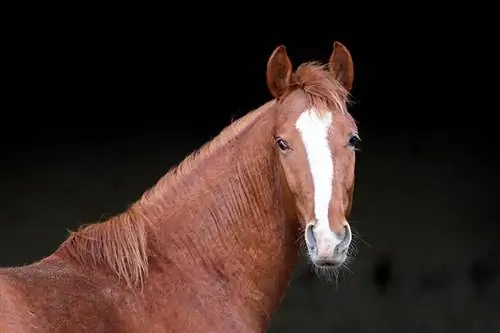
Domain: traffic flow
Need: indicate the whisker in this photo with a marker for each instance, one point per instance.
(356, 234)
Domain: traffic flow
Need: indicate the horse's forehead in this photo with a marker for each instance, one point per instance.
(297, 104)
(292, 107)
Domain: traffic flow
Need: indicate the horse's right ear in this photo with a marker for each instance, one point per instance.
(279, 72)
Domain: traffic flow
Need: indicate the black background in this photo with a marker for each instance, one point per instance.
(98, 103)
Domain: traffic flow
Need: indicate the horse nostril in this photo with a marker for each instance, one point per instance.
(346, 240)
(310, 239)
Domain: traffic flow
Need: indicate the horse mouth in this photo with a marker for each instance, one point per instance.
(324, 263)
(328, 264)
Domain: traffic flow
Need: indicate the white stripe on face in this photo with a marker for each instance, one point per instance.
(314, 132)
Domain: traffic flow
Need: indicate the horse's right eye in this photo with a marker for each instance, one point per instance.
(282, 144)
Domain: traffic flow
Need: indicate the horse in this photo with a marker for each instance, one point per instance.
(211, 247)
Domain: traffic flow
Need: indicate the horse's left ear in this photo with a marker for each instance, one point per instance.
(279, 72)
(341, 65)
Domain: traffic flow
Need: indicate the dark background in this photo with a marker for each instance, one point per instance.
(99, 103)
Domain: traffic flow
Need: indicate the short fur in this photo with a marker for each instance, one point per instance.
(210, 248)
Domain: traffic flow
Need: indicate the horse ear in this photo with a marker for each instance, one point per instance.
(341, 65)
(279, 72)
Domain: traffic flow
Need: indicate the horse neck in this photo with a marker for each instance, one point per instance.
(223, 222)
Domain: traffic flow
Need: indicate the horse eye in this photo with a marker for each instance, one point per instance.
(282, 144)
(354, 142)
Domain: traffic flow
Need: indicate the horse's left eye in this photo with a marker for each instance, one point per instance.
(354, 142)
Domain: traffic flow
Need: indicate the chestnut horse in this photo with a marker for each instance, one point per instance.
(212, 246)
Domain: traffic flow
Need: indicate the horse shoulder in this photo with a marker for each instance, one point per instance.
(60, 298)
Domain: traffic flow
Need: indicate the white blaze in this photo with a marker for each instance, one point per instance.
(314, 132)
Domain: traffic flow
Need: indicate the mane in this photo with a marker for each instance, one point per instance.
(121, 242)
(324, 92)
